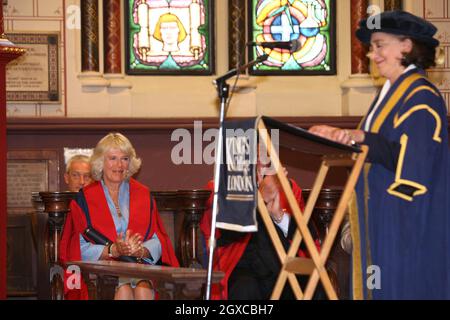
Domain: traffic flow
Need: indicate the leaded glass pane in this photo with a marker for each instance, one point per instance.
(308, 23)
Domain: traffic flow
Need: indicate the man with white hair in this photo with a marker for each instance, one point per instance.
(78, 172)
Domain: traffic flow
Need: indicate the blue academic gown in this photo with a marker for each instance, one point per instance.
(403, 212)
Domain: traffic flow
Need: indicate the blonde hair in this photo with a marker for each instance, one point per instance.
(169, 17)
(113, 140)
(76, 158)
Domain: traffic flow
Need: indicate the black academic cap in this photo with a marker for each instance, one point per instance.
(399, 23)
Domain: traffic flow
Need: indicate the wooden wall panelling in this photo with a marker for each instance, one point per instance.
(28, 170)
(152, 141)
(21, 254)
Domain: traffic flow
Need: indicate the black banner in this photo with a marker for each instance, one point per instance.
(238, 187)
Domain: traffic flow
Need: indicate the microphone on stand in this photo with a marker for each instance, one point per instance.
(292, 45)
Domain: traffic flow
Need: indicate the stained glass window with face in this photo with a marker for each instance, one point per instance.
(169, 37)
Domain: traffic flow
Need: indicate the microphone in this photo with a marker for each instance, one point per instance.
(292, 45)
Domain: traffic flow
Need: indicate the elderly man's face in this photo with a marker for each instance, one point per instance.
(79, 175)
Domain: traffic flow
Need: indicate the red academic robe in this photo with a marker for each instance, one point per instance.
(103, 222)
(227, 257)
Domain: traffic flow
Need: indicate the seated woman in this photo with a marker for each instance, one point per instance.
(122, 210)
(249, 260)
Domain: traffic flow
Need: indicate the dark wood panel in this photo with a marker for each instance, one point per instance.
(152, 140)
(48, 173)
(89, 125)
(21, 254)
(27, 274)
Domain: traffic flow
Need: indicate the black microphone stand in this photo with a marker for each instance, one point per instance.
(223, 89)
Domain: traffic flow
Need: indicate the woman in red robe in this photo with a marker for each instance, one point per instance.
(122, 212)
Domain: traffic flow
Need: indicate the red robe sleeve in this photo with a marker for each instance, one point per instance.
(69, 250)
(227, 257)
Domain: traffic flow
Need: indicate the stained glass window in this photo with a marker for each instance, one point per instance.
(169, 37)
(309, 24)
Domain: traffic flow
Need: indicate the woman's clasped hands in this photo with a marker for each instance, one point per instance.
(130, 244)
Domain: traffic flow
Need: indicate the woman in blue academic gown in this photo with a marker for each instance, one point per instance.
(401, 222)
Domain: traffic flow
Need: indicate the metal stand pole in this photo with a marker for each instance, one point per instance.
(223, 90)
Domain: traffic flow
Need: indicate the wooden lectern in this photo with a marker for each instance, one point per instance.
(333, 155)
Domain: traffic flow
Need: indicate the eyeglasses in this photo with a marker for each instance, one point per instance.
(77, 176)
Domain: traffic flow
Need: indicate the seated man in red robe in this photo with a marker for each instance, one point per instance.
(120, 210)
(249, 260)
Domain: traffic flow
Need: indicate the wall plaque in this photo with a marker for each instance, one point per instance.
(35, 76)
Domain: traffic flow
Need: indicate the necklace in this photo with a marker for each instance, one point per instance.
(119, 213)
(114, 197)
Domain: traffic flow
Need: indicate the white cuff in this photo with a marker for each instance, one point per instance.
(284, 223)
